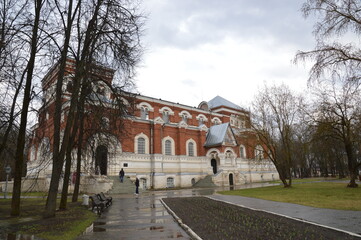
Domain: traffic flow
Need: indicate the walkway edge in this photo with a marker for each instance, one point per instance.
(281, 215)
(183, 225)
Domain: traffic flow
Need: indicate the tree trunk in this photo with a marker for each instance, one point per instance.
(351, 165)
(19, 155)
(79, 156)
(64, 193)
(58, 156)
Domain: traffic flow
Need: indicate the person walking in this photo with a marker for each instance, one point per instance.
(136, 186)
(121, 175)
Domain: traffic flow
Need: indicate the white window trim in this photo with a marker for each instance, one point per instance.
(205, 119)
(216, 119)
(172, 145)
(141, 135)
(147, 105)
(194, 147)
(166, 109)
(184, 112)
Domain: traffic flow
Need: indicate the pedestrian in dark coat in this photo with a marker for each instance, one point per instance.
(137, 186)
(121, 175)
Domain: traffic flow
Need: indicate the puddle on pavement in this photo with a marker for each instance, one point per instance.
(157, 228)
(97, 226)
(14, 236)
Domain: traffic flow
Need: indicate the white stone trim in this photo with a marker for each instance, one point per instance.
(184, 112)
(209, 152)
(147, 105)
(202, 116)
(216, 119)
(167, 109)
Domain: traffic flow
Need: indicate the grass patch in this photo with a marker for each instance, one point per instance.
(307, 180)
(322, 195)
(66, 225)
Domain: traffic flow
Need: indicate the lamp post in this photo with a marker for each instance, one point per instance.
(7, 171)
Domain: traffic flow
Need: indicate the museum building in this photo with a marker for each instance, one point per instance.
(164, 144)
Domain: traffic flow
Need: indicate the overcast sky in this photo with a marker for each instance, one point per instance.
(196, 50)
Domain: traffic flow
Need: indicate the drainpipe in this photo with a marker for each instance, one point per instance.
(152, 155)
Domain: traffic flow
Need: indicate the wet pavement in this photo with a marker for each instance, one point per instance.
(140, 217)
(144, 217)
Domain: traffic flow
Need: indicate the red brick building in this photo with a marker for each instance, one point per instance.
(165, 144)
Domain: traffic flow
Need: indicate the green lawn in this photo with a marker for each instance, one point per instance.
(305, 180)
(321, 195)
(66, 225)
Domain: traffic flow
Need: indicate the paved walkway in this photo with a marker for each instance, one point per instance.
(349, 221)
(144, 217)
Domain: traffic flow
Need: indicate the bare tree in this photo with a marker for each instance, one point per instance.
(275, 112)
(19, 156)
(338, 27)
(338, 112)
(107, 32)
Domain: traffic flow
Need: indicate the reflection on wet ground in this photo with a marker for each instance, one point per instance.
(16, 236)
(143, 216)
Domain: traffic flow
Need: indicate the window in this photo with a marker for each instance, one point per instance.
(168, 147)
(141, 145)
(144, 113)
(242, 152)
(165, 116)
(185, 118)
(104, 122)
(143, 183)
(170, 182)
(69, 86)
(190, 149)
(200, 121)
(258, 152)
(216, 121)
(101, 90)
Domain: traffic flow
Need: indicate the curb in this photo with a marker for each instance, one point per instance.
(183, 225)
(281, 215)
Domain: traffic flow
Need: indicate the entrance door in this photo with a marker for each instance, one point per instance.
(101, 160)
(231, 179)
(214, 165)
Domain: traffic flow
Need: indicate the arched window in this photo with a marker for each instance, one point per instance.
(144, 113)
(190, 149)
(258, 152)
(168, 147)
(165, 116)
(200, 121)
(216, 121)
(141, 145)
(104, 122)
(185, 118)
(242, 151)
(170, 182)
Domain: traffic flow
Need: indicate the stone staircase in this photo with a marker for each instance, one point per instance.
(205, 182)
(127, 187)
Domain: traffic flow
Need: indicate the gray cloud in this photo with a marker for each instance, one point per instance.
(189, 23)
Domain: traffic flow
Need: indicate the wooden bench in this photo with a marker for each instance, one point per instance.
(96, 203)
(107, 200)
